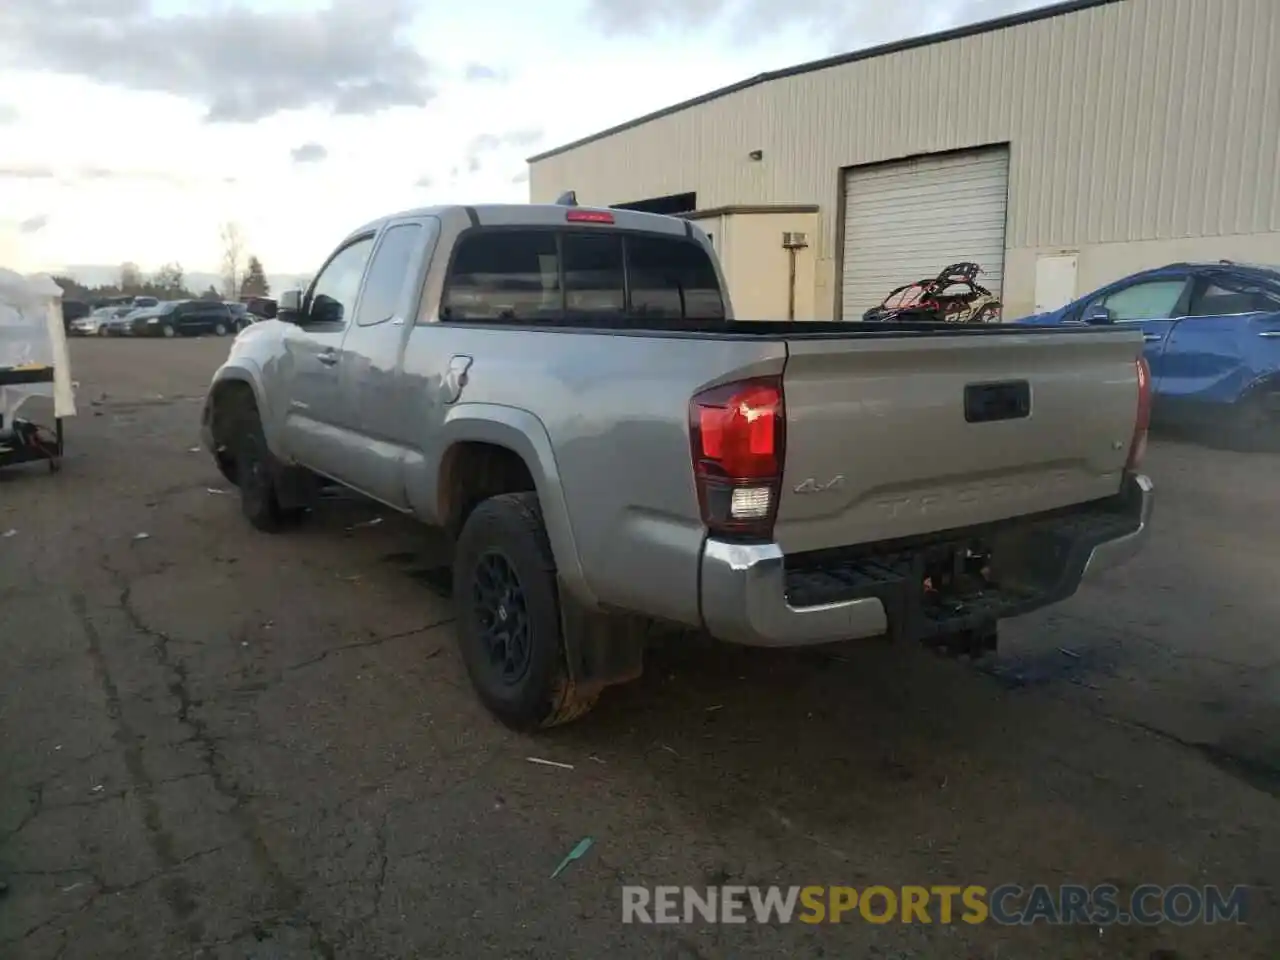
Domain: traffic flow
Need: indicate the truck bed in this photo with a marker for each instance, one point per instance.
(879, 441)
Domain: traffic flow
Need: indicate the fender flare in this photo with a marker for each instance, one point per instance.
(525, 435)
(247, 373)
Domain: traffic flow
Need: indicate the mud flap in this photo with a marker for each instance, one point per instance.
(601, 650)
(296, 488)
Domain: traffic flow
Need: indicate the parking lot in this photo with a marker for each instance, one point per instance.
(216, 743)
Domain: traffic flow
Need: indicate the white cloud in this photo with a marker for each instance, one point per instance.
(309, 153)
(300, 119)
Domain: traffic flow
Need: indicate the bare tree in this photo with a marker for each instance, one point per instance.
(170, 279)
(130, 278)
(232, 238)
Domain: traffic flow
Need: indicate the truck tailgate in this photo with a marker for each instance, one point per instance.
(897, 436)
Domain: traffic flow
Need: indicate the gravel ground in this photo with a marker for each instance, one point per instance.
(215, 743)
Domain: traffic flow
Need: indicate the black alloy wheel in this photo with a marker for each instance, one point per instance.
(509, 628)
(498, 602)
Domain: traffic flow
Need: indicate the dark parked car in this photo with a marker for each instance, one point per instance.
(262, 308)
(1212, 334)
(185, 317)
(120, 323)
(73, 310)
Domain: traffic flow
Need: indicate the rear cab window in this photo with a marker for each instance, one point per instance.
(580, 278)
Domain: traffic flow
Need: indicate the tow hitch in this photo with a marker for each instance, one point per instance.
(958, 602)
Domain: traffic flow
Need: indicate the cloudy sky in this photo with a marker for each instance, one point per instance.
(131, 129)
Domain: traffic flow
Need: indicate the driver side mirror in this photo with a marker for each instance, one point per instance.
(1099, 315)
(289, 306)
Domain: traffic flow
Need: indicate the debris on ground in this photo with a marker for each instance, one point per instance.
(9, 533)
(550, 763)
(214, 490)
(575, 854)
(142, 536)
(365, 523)
(1069, 653)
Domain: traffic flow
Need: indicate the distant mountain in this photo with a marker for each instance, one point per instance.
(96, 275)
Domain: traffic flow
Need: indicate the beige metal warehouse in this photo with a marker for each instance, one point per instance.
(1059, 149)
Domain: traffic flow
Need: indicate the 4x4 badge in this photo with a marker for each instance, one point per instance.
(813, 486)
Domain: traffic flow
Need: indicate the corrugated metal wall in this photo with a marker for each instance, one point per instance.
(1132, 121)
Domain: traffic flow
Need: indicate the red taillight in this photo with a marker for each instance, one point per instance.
(1142, 423)
(588, 216)
(738, 433)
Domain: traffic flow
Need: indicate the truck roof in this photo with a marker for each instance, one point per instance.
(534, 215)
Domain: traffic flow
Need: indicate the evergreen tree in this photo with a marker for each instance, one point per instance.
(255, 280)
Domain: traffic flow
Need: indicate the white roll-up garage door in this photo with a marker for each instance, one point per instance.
(906, 221)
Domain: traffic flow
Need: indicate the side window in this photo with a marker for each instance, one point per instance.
(1222, 297)
(504, 275)
(333, 295)
(593, 278)
(672, 279)
(389, 274)
(1153, 300)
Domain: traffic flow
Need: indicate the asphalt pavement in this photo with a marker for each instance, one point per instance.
(220, 744)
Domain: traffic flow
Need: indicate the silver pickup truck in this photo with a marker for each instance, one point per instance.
(566, 392)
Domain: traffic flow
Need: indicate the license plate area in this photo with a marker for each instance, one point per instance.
(993, 402)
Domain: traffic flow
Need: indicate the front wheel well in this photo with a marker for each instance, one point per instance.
(472, 472)
(231, 398)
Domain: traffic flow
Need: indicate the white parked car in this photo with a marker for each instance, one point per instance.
(94, 325)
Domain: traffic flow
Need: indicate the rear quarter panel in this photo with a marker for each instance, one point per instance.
(614, 407)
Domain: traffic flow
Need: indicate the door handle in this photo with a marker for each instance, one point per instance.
(1149, 337)
(329, 358)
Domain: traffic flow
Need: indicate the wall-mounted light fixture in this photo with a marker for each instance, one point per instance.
(755, 155)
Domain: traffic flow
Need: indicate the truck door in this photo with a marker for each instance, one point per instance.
(313, 422)
(371, 383)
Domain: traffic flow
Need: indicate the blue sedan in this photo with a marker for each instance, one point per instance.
(1212, 334)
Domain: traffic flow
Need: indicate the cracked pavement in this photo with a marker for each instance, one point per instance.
(219, 744)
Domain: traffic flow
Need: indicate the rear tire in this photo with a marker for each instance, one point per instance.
(168, 331)
(220, 330)
(255, 471)
(508, 609)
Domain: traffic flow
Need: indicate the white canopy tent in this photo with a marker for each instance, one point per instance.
(31, 336)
